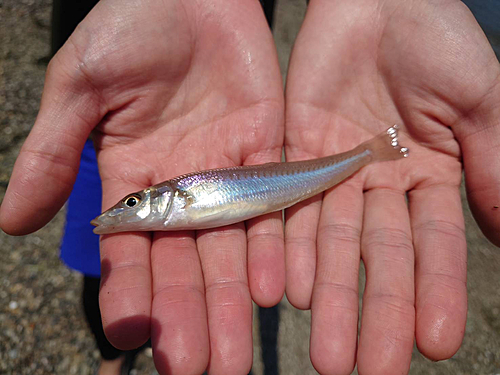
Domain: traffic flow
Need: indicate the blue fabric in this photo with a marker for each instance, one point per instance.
(80, 246)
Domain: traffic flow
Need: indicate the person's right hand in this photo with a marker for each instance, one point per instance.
(167, 87)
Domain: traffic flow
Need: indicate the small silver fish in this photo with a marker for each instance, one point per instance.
(224, 196)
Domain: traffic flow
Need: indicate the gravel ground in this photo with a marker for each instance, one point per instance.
(42, 328)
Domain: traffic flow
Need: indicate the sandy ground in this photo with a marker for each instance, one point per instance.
(42, 330)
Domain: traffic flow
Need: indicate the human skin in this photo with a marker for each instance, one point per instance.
(155, 102)
(165, 88)
(357, 67)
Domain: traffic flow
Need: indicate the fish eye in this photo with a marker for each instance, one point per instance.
(132, 200)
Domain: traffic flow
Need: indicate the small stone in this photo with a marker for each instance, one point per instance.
(36, 240)
(13, 305)
(65, 363)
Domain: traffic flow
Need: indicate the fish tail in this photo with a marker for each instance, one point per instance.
(385, 146)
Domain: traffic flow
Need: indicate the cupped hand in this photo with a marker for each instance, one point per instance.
(166, 88)
(358, 67)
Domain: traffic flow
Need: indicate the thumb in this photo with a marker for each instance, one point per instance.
(480, 143)
(47, 165)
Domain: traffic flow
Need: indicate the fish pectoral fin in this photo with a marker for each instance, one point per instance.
(188, 198)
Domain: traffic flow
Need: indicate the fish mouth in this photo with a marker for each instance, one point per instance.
(100, 220)
(104, 229)
(101, 228)
(103, 224)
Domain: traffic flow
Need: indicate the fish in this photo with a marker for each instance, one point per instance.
(223, 196)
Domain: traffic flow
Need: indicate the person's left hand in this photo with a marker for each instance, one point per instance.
(357, 68)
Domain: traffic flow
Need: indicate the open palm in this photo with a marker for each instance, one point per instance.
(357, 68)
(166, 88)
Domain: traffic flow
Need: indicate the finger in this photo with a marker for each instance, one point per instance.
(125, 295)
(334, 308)
(479, 137)
(441, 267)
(179, 331)
(265, 238)
(388, 316)
(266, 259)
(46, 168)
(301, 225)
(229, 306)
